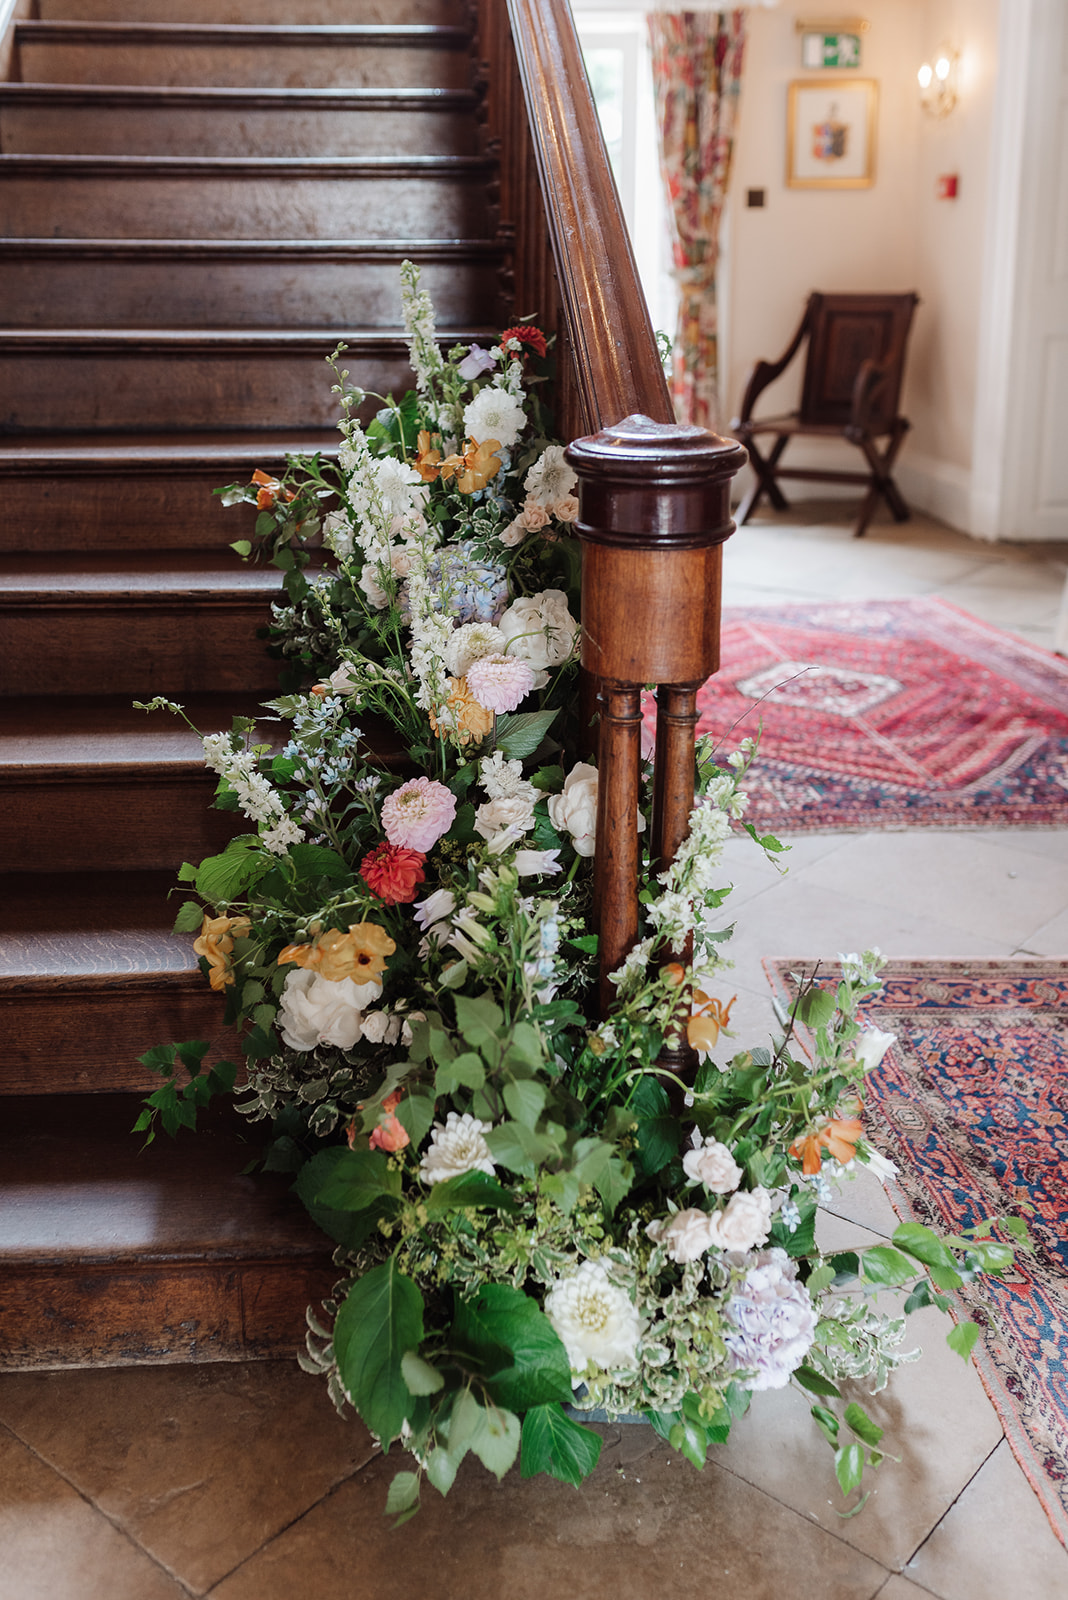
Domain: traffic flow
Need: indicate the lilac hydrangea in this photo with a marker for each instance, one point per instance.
(772, 1321)
(465, 585)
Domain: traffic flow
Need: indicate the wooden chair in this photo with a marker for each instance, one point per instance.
(852, 384)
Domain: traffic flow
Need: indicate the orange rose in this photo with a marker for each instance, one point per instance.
(216, 943)
(358, 954)
(465, 718)
(475, 467)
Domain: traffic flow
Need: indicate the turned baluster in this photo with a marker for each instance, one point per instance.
(654, 513)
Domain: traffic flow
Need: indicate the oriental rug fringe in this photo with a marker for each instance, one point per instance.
(972, 1104)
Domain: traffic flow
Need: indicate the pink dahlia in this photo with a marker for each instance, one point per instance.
(418, 813)
(500, 682)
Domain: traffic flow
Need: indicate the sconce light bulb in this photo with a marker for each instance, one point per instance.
(925, 75)
(942, 68)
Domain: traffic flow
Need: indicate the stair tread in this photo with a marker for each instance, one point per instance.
(225, 340)
(29, 164)
(152, 451)
(207, 95)
(448, 35)
(86, 928)
(81, 575)
(342, 249)
(98, 732)
(77, 1187)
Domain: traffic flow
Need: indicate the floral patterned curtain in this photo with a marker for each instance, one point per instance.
(697, 72)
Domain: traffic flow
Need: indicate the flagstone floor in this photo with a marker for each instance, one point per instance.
(240, 1483)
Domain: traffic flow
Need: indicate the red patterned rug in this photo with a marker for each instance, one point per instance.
(890, 714)
(972, 1104)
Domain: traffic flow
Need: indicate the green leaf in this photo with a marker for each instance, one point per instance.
(470, 1189)
(415, 1113)
(466, 1072)
(815, 1008)
(519, 1148)
(346, 1227)
(588, 943)
(815, 1382)
(380, 1320)
(925, 1295)
(419, 1376)
(525, 1099)
(403, 1493)
(882, 1264)
(849, 1466)
(862, 1425)
(358, 1178)
(690, 1439)
(496, 1444)
(552, 1443)
(500, 1318)
(963, 1338)
(242, 546)
(225, 877)
(925, 1245)
(520, 733)
(480, 1020)
(820, 1278)
(316, 861)
(827, 1423)
(190, 917)
(441, 1469)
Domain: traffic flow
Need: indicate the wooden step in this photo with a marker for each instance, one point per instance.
(253, 11)
(113, 491)
(81, 379)
(98, 947)
(110, 1255)
(89, 784)
(106, 120)
(188, 197)
(143, 624)
(369, 56)
(241, 283)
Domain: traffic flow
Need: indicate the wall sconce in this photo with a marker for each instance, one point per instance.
(938, 82)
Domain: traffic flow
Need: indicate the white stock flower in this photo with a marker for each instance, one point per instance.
(870, 1048)
(685, 1236)
(540, 629)
(337, 534)
(712, 1164)
(745, 1223)
(494, 414)
(456, 1145)
(284, 833)
(317, 1010)
(594, 1319)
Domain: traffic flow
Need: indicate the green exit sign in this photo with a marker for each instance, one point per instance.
(830, 50)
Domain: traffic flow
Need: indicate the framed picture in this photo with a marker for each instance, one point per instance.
(830, 134)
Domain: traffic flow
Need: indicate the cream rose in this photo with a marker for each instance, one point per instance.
(574, 811)
(502, 822)
(317, 1010)
(744, 1224)
(686, 1236)
(713, 1165)
(540, 629)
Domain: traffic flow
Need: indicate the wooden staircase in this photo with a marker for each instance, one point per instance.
(192, 213)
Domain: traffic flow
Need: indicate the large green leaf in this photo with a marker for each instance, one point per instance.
(357, 1179)
(470, 1189)
(381, 1319)
(520, 733)
(222, 878)
(553, 1443)
(316, 861)
(502, 1318)
(925, 1245)
(349, 1228)
(883, 1264)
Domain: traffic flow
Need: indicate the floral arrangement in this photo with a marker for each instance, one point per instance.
(535, 1218)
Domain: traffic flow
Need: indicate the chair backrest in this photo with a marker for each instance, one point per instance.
(845, 330)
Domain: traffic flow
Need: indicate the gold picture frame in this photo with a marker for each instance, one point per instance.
(830, 133)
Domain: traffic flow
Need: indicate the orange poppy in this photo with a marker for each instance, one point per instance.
(838, 1137)
(358, 954)
(270, 489)
(475, 467)
(215, 943)
(709, 1018)
(427, 461)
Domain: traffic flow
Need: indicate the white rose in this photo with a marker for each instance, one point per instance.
(686, 1236)
(456, 1146)
(540, 629)
(594, 1319)
(380, 1028)
(745, 1223)
(499, 818)
(870, 1048)
(574, 811)
(317, 1010)
(713, 1165)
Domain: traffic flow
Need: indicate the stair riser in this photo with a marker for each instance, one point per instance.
(191, 645)
(260, 66)
(86, 1039)
(267, 206)
(119, 824)
(92, 291)
(95, 512)
(252, 12)
(110, 129)
(183, 390)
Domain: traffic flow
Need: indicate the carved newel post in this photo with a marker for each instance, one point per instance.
(654, 512)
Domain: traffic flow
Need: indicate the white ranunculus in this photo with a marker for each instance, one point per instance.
(870, 1048)
(594, 1319)
(456, 1145)
(315, 1010)
(712, 1164)
(540, 629)
(745, 1223)
(494, 414)
(574, 811)
(686, 1236)
(497, 817)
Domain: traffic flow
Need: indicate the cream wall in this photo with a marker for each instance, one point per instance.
(894, 236)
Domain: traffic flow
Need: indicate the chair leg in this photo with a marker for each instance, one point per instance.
(881, 481)
(765, 480)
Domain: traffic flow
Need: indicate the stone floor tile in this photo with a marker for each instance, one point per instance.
(1050, 843)
(994, 1543)
(1051, 939)
(653, 1527)
(899, 1588)
(861, 1199)
(200, 1465)
(55, 1546)
(937, 1420)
